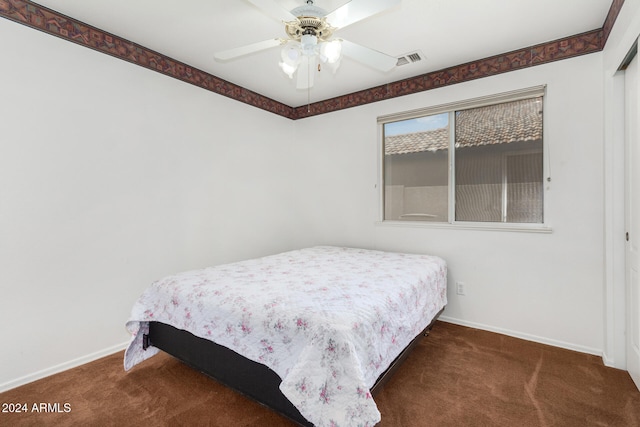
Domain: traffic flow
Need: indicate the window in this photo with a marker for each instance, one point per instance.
(479, 161)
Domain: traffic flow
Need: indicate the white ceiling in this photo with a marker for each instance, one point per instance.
(447, 32)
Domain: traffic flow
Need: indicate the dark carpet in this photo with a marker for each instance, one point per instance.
(457, 376)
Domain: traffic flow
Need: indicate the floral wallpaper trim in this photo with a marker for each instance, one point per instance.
(38, 17)
(569, 47)
(54, 23)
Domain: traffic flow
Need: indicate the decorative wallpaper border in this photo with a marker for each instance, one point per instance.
(51, 22)
(569, 47)
(614, 11)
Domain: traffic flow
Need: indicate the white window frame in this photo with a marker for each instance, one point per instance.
(451, 108)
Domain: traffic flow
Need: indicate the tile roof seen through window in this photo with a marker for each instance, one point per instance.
(494, 124)
(432, 140)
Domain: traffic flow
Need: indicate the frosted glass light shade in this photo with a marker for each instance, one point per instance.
(331, 51)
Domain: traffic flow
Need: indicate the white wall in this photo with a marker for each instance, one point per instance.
(112, 176)
(336, 169)
(546, 287)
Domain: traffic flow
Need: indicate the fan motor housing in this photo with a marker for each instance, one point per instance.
(309, 25)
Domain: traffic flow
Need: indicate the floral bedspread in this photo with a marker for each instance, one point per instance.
(327, 320)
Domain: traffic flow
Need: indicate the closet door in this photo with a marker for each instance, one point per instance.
(632, 214)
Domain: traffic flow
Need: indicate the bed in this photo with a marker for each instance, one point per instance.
(311, 333)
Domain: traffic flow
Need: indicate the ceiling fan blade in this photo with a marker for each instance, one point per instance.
(306, 72)
(226, 55)
(357, 10)
(373, 58)
(273, 9)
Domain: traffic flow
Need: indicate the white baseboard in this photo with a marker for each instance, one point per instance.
(608, 361)
(528, 337)
(62, 367)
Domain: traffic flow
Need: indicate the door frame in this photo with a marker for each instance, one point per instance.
(632, 231)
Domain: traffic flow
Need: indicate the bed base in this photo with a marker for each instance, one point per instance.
(250, 378)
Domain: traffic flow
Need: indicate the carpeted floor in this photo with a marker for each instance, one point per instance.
(457, 376)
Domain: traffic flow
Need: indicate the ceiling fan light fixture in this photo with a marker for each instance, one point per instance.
(331, 51)
(291, 55)
(309, 30)
(289, 70)
(333, 66)
(309, 43)
(328, 52)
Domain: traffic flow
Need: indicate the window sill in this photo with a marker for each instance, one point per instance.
(523, 228)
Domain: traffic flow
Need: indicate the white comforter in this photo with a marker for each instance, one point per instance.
(327, 320)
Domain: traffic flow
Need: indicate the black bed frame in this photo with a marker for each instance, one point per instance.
(250, 378)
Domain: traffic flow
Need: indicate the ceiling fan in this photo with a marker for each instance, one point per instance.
(309, 44)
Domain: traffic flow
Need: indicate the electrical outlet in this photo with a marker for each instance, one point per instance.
(460, 288)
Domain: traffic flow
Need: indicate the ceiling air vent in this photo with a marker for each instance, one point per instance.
(410, 58)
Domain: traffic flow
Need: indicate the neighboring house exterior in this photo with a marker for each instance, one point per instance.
(498, 167)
